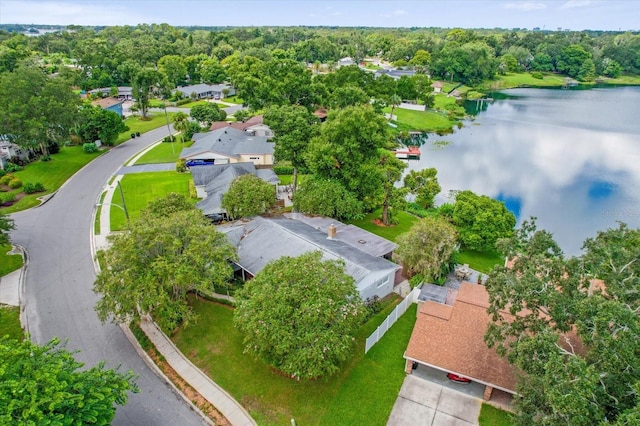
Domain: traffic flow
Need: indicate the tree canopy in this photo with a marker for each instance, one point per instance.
(170, 251)
(570, 325)
(300, 314)
(97, 123)
(247, 196)
(481, 220)
(207, 113)
(427, 247)
(326, 197)
(46, 385)
(424, 185)
(6, 225)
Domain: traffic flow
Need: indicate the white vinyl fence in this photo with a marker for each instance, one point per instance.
(391, 319)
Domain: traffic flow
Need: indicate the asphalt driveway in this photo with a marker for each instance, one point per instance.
(423, 402)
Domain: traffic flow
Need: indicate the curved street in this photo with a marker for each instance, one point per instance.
(58, 294)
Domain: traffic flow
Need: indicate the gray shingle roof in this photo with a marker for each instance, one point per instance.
(268, 239)
(229, 142)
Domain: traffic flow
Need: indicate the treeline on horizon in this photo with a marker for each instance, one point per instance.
(111, 56)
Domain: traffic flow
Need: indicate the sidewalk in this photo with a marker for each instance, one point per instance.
(209, 390)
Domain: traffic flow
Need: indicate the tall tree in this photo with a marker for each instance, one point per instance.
(150, 268)
(390, 172)
(181, 123)
(37, 110)
(347, 150)
(98, 123)
(293, 127)
(570, 325)
(326, 197)
(174, 68)
(207, 113)
(46, 385)
(300, 314)
(143, 85)
(427, 247)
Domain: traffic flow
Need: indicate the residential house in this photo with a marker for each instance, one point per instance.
(395, 73)
(345, 62)
(261, 240)
(110, 104)
(9, 151)
(207, 91)
(124, 92)
(229, 145)
(451, 339)
(437, 86)
(213, 181)
(254, 126)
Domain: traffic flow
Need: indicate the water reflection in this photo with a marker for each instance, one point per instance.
(568, 157)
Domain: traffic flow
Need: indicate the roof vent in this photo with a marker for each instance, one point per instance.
(332, 232)
(219, 140)
(362, 241)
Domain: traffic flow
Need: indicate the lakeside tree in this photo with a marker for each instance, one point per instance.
(248, 196)
(37, 110)
(300, 315)
(347, 150)
(481, 221)
(570, 325)
(424, 185)
(293, 127)
(149, 269)
(46, 385)
(393, 198)
(427, 247)
(326, 197)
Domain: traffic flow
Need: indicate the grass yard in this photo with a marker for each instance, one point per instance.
(52, 174)
(8, 262)
(428, 121)
(10, 322)
(194, 103)
(511, 80)
(233, 100)
(140, 188)
(165, 152)
(391, 233)
(480, 261)
(363, 393)
(492, 416)
(135, 124)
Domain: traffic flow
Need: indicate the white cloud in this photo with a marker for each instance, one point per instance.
(525, 6)
(399, 12)
(570, 4)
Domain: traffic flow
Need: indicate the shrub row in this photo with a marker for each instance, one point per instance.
(283, 170)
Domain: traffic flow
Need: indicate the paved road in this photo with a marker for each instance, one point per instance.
(58, 296)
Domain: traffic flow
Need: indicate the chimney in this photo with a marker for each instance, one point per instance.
(332, 232)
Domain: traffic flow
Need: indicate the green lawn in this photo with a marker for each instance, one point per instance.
(511, 80)
(194, 103)
(363, 393)
(233, 100)
(405, 221)
(159, 103)
(135, 124)
(480, 261)
(52, 174)
(165, 152)
(141, 188)
(428, 121)
(492, 416)
(8, 262)
(10, 322)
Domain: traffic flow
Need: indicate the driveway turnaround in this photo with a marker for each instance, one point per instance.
(58, 295)
(422, 402)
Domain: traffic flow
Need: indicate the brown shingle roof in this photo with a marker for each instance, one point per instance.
(258, 119)
(106, 102)
(452, 338)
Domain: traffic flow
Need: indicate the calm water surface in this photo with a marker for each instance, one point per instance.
(569, 157)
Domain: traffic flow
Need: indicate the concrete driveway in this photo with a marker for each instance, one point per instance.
(423, 402)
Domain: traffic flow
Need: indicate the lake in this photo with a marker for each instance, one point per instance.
(569, 157)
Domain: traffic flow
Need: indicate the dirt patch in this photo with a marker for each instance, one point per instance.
(205, 406)
(379, 222)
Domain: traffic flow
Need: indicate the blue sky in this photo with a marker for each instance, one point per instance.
(547, 14)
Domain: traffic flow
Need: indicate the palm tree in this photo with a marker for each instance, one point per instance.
(394, 100)
(181, 122)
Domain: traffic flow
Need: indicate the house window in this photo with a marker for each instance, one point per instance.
(254, 158)
(382, 281)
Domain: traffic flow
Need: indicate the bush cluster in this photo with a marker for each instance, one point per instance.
(89, 147)
(15, 183)
(4, 180)
(283, 170)
(537, 74)
(12, 167)
(183, 101)
(32, 188)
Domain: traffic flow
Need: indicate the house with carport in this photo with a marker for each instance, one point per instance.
(229, 145)
(260, 240)
(450, 338)
(206, 91)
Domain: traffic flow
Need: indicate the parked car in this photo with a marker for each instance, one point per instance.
(191, 163)
(458, 379)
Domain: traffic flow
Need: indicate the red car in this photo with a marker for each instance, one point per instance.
(457, 379)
